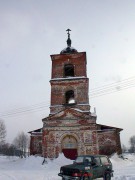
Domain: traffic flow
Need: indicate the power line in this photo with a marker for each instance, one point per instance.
(115, 87)
(25, 111)
(120, 81)
(112, 91)
(96, 92)
(30, 106)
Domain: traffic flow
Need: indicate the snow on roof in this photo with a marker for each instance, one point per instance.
(111, 127)
(79, 110)
(93, 114)
(36, 131)
(66, 78)
(83, 104)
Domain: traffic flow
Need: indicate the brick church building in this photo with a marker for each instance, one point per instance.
(70, 127)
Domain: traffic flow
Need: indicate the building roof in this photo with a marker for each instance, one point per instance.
(105, 127)
(36, 131)
(100, 127)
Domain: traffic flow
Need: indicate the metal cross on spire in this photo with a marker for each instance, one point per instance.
(68, 30)
(68, 40)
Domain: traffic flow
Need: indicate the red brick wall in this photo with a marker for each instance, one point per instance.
(78, 60)
(80, 88)
(109, 142)
(79, 83)
(36, 144)
(69, 123)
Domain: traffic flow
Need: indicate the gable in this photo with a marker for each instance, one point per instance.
(68, 113)
(69, 118)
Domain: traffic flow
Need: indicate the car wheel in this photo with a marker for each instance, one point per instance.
(107, 176)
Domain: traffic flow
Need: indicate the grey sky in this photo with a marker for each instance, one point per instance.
(30, 31)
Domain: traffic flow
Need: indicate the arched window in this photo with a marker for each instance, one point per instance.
(69, 142)
(69, 97)
(69, 70)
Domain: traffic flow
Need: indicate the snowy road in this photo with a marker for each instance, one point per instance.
(31, 168)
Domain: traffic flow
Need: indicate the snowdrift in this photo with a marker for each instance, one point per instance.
(31, 168)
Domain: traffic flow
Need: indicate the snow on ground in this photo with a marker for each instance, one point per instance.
(124, 169)
(31, 168)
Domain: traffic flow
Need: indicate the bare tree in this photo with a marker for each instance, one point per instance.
(8, 149)
(22, 142)
(124, 148)
(132, 144)
(2, 132)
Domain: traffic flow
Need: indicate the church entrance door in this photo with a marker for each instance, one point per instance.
(69, 147)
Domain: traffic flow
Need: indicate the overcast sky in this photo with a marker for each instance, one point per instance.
(31, 30)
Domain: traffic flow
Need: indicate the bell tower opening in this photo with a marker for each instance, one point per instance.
(69, 97)
(69, 70)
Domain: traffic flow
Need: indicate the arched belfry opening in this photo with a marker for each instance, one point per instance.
(69, 70)
(69, 97)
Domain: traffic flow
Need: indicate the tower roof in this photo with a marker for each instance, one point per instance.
(68, 49)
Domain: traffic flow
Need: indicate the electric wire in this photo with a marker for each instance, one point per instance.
(110, 92)
(25, 111)
(29, 106)
(96, 92)
(116, 85)
(115, 88)
(22, 110)
(119, 81)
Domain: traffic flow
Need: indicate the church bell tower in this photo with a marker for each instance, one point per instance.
(69, 82)
(70, 127)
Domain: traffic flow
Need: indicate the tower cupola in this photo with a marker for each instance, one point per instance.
(68, 49)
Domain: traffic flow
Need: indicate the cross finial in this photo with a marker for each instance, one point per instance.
(68, 30)
(68, 40)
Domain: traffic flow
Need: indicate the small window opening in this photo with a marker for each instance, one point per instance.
(70, 97)
(69, 70)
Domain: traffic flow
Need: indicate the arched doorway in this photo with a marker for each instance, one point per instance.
(69, 147)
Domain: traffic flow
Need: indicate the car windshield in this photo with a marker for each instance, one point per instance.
(81, 159)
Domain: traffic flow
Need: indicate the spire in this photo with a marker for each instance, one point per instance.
(68, 49)
(68, 40)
